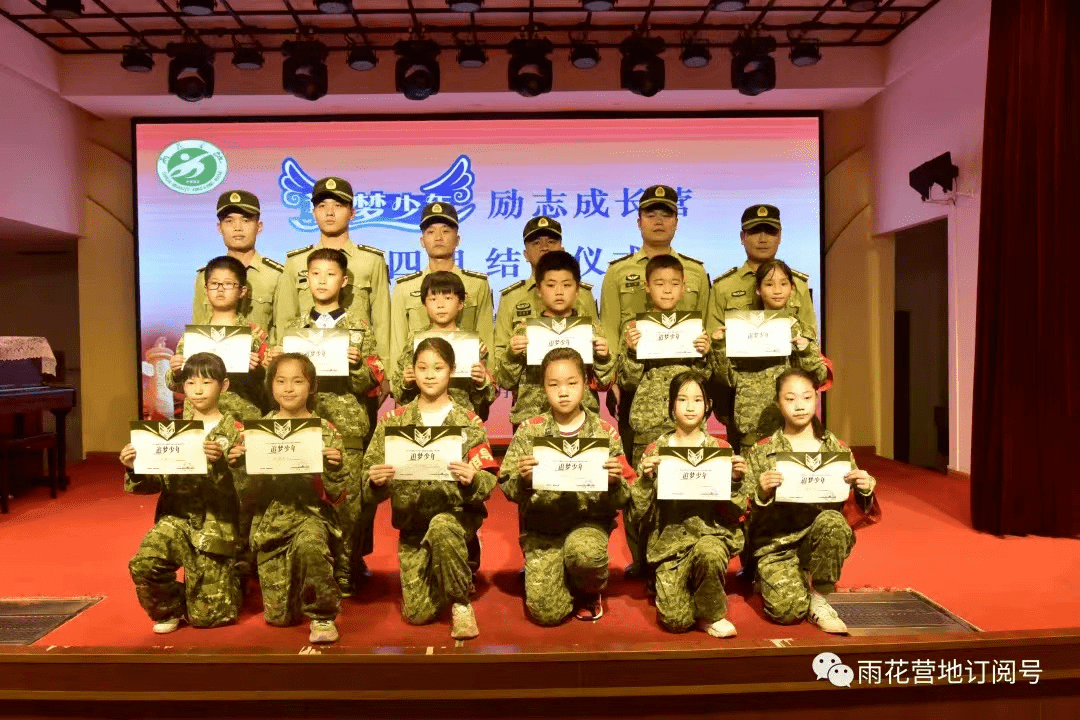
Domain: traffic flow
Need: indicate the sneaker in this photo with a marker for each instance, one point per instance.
(167, 626)
(589, 608)
(463, 622)
(722, 628)
(345, 586)
(323, 631)
(824, 616)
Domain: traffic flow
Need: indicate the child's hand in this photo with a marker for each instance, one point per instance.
(127, 456)
(614, 471)
(649, 465)
(478, 375)
(600, 348)
(176, 363)
(253, 361)
(463, 472)
(525, 467)
(800, 343)
(379, 475)
(701, 343)
(632, 335)
(213, 451)
(718, 333)
(769, 481)
(518, 344)
(738, 467)
(236, 452)
(332, 456)
(861, 480)
(271, 354)
(409, 376)
(354, 355)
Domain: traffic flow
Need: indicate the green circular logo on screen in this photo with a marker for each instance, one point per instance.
(192, 166)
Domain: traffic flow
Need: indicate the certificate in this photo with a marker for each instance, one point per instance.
(283, 447)
(231, 343)
(702, 473)
(547, 333)
(570, 465)
(466, 348)
(667, 335)
(328, 349)
(813, 477)
(169, 448)
(418, 452)
(758, 333)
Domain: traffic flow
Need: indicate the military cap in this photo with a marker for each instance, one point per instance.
(761, 215)
(542, 225)
(438, 212)
(659, 195)
(333, 187)
(240, 201)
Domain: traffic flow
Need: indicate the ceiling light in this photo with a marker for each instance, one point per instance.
(63, 9)
(472, 56)
(191, 71)
(196, 7)
(362, 58)
(303, 73)
(695, 55)
(584, 56)
(805, 53)
(642, 69)
(333, 7)
(465, 6)
(135, 59)
(753, 70)
(416, 75)
(597, 5)
(247, 58)
(529, 73)
(861, 5)
(729, 5)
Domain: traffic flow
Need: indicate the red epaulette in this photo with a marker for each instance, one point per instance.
(762, 441)
(610, 429)
(474, 418)
(536, 420)
(238, 425)
(843, 444)
(651, 446)
(722, 442)
(400, 410)
(332, 428)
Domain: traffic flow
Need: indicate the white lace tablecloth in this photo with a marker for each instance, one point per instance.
(23, 348)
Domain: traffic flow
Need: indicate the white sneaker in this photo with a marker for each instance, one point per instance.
(463, 622)
(722, 628)
(167, 626)
(323, 631)
(824, 616)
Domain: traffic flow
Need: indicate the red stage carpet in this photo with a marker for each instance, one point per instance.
(80, 544)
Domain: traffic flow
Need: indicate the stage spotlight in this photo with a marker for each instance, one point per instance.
(303, 73)
(729, 5)
(696, 55)
(465, 6)
(135, 59)
(753, 70)
(805, 53)
(529, 73)
(196, 7)
(472, 56)
(938, 171)
(333, 7)
(416, 75)
(597, 5)
(361, 58)
(63, 9)
(191, 71)
(642, 69)
(247, 58)
(584, 56)
(861, 5)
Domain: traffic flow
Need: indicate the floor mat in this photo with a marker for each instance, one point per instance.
(895, 612)
(24, 621)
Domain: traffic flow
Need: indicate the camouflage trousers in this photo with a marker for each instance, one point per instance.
(691, 587)
(210, 593)
(353, 518)
(435, 569)
(559, 567)
(298, 578)
(632, 521)
(818, 557)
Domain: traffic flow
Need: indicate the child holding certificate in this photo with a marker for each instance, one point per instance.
(296, 519)
(800, 542)
(195, 524)
(226, 279)
(689, 541)
(564, 533)
(341, 398)
(432, 459)
(443, 295)
(518, 366)
(753, 378)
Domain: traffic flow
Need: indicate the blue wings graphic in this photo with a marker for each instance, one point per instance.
(398, 210)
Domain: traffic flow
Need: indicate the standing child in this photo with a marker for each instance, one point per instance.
(295, 519)
(195, 524)
(690, 542)
(436, 519)
(800, 547)
(564, 535)
(443, 295)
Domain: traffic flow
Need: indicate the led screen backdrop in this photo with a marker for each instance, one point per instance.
(497, 172)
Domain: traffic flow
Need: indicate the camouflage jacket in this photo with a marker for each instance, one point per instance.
(463, 391)
(556, 513)
(246, 396)
(414, 504)
(202, 507)
(778, 525)
(674, 526)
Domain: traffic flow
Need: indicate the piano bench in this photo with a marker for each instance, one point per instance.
(13, 449)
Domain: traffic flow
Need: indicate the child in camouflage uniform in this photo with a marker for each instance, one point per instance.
(564, 535)
(436, 519)
(341, 401)
(800, 547)
(443, 295)
(689, 542)
(195, 524)
(296, 518)
(558, 282)
(226, 279)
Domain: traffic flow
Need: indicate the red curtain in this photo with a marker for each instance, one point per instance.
(1025, 464)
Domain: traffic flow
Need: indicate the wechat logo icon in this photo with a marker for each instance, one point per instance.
(192, 167)
(828, 666)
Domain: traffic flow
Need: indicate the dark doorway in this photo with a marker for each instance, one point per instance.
(921, 381)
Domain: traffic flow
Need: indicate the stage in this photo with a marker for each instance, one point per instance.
(1020, 591)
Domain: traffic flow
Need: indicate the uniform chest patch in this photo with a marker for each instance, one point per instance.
(523, 309)
(415, 293)
(738, 293)
(632, 280)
